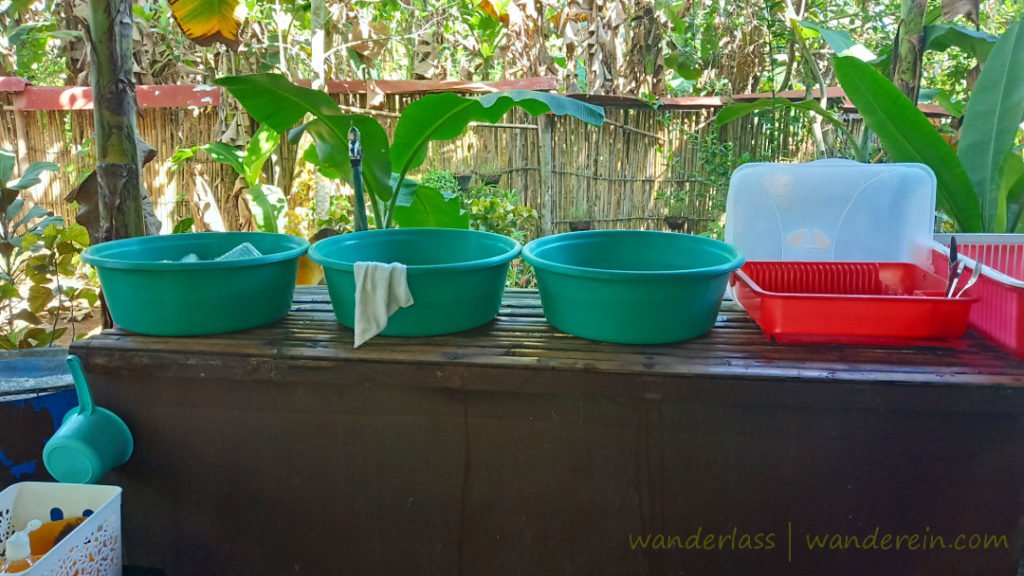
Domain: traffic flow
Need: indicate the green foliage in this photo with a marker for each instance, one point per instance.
(38, 263)
(32, 46)
(705, 189)
(426, 207)
(339, 214)
(991, 123)
(442, 181)
(738, 110)
(908, 136)
(273, 100)
(980, 186)
(676, 202)
(501, 211)
(269, 203)
(841, 42)
(492, 209)
(520, 275)
(184, 226)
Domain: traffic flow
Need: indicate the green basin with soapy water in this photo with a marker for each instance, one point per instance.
(149, 291)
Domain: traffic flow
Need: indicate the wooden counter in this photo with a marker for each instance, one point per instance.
(515, 449)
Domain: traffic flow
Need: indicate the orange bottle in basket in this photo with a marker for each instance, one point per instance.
(19, 553)
(44, 538)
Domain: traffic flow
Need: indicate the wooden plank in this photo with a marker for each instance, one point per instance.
(80, 97)
(520, 339)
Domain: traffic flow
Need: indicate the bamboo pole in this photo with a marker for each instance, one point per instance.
(547, 190)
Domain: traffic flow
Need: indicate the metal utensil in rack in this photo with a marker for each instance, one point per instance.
(954, 264)
(975, 274)
(954, 277)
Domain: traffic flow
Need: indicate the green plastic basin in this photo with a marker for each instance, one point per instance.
(457, 277)
(631, 287)
(150, 292)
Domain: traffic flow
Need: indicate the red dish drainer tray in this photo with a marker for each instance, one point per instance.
(850, 303)
(999, 313)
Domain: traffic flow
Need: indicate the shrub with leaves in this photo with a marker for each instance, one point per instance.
(443, 181)
(500, 211)
(38, 264)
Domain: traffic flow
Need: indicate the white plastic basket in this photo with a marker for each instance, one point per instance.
(92, 549)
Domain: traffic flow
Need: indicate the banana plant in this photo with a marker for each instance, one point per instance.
(394, 197)
(269, 201)
(15, 220)
(206, 22)
(981, 184)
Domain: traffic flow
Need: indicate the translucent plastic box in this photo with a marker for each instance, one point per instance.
(832, 210)
(92, 549)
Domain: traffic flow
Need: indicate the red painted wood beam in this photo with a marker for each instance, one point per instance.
(12, 84)
(833, 92)
(426, 86)
(80, 97)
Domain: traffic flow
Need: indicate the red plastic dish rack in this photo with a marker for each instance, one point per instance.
(999, 314)
(849, 303)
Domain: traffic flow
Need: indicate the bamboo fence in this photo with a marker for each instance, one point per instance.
(614, 176)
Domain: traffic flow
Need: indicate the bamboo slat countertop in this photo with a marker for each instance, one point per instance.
(520, 352)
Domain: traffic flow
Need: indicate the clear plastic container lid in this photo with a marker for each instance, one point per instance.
(832, 210)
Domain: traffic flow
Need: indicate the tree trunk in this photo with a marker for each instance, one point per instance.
(118, 169)
(909, 48)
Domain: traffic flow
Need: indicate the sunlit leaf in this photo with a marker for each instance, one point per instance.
(77, 234)
(184, 225)
(991, 122)
(841, 42)
(258, 151)
(39, 297)
(332, 151)
(89, 295)
(427, 207)
(17, 6)
(446, 116)
(206, 22)
(31, 176)
(226, 154)
(272, 99)
(268, 204)
(8, 290)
